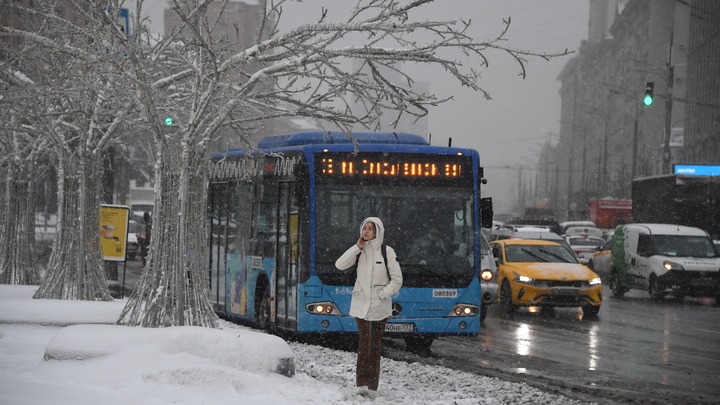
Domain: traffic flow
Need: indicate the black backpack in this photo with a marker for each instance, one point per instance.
(383, 250)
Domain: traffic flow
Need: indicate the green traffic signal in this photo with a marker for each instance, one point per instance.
(168, 121)
(649, 88)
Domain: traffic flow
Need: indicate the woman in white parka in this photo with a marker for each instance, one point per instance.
(371, 303)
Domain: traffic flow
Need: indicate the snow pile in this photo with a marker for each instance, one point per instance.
(58, 312)
(241, 349)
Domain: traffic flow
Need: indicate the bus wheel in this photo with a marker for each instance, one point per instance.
(617, 289)
(418, 344)
(262, 308)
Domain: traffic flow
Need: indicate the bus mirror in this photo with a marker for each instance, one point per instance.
(301, 186)
(486, 212)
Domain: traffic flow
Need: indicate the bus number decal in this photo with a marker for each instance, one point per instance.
(444, 293)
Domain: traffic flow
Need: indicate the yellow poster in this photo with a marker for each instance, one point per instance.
(113, 231)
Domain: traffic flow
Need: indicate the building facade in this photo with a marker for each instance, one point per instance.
(607, 136)
(702, 129)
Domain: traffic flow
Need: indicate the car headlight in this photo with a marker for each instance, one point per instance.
(486, 275)
(672, 266)
(595, 281)
(323, 308)
(525, 279)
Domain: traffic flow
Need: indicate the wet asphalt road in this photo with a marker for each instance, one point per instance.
(635, 351)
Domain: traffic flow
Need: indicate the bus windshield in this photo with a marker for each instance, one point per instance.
(430, 229)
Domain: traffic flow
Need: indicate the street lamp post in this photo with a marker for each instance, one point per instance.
(635, 147)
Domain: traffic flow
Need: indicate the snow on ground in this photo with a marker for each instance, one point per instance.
(96, 362)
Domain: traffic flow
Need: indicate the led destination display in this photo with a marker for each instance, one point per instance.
(398, 166)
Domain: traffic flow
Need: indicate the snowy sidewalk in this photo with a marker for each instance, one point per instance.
(187, 367)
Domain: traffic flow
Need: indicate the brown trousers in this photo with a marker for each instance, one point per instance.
(369, 352)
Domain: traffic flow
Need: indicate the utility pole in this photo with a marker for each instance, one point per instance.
(635, 147)
(668, 110)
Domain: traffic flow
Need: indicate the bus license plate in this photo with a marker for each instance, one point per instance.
(565, 291)
(399, 327)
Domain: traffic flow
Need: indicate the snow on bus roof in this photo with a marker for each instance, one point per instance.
(337, 137)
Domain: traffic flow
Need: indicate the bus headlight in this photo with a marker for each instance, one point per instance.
(486, 275)
(323, 308)
(464, 310)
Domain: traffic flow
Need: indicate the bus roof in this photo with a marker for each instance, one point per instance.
(337, 141)
(337, 137)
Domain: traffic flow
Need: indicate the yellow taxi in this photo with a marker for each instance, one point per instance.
(546, 274)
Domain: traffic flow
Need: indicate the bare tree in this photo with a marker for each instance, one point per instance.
(19, 151)
(212, 82)
(213, 85)
(65, 62)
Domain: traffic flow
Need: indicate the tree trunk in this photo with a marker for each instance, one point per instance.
(18, 263)
(75, 270)
(174, 288)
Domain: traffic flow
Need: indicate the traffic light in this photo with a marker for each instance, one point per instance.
(649, 87)
(168, 121)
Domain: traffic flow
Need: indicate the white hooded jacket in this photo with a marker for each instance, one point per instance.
(372, 295)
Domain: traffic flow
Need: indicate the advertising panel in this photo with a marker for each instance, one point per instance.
(113, 231)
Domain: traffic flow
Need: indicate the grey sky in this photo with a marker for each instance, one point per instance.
(508, 129)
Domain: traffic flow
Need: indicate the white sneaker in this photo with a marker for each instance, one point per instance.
(363, 390)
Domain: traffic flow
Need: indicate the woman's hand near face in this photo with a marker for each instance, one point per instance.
(361, 242)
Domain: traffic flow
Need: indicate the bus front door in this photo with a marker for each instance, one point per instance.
(287, 257)
(218, 245)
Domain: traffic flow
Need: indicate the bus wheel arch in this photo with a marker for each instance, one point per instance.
(262, 304)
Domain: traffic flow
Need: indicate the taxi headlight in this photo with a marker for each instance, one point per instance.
(525, 279)
(595, 281)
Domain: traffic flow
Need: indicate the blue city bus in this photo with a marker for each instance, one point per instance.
(281, 215)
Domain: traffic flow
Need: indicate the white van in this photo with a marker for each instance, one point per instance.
(664, 259)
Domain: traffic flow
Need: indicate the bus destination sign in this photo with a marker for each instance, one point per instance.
(403, 166)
